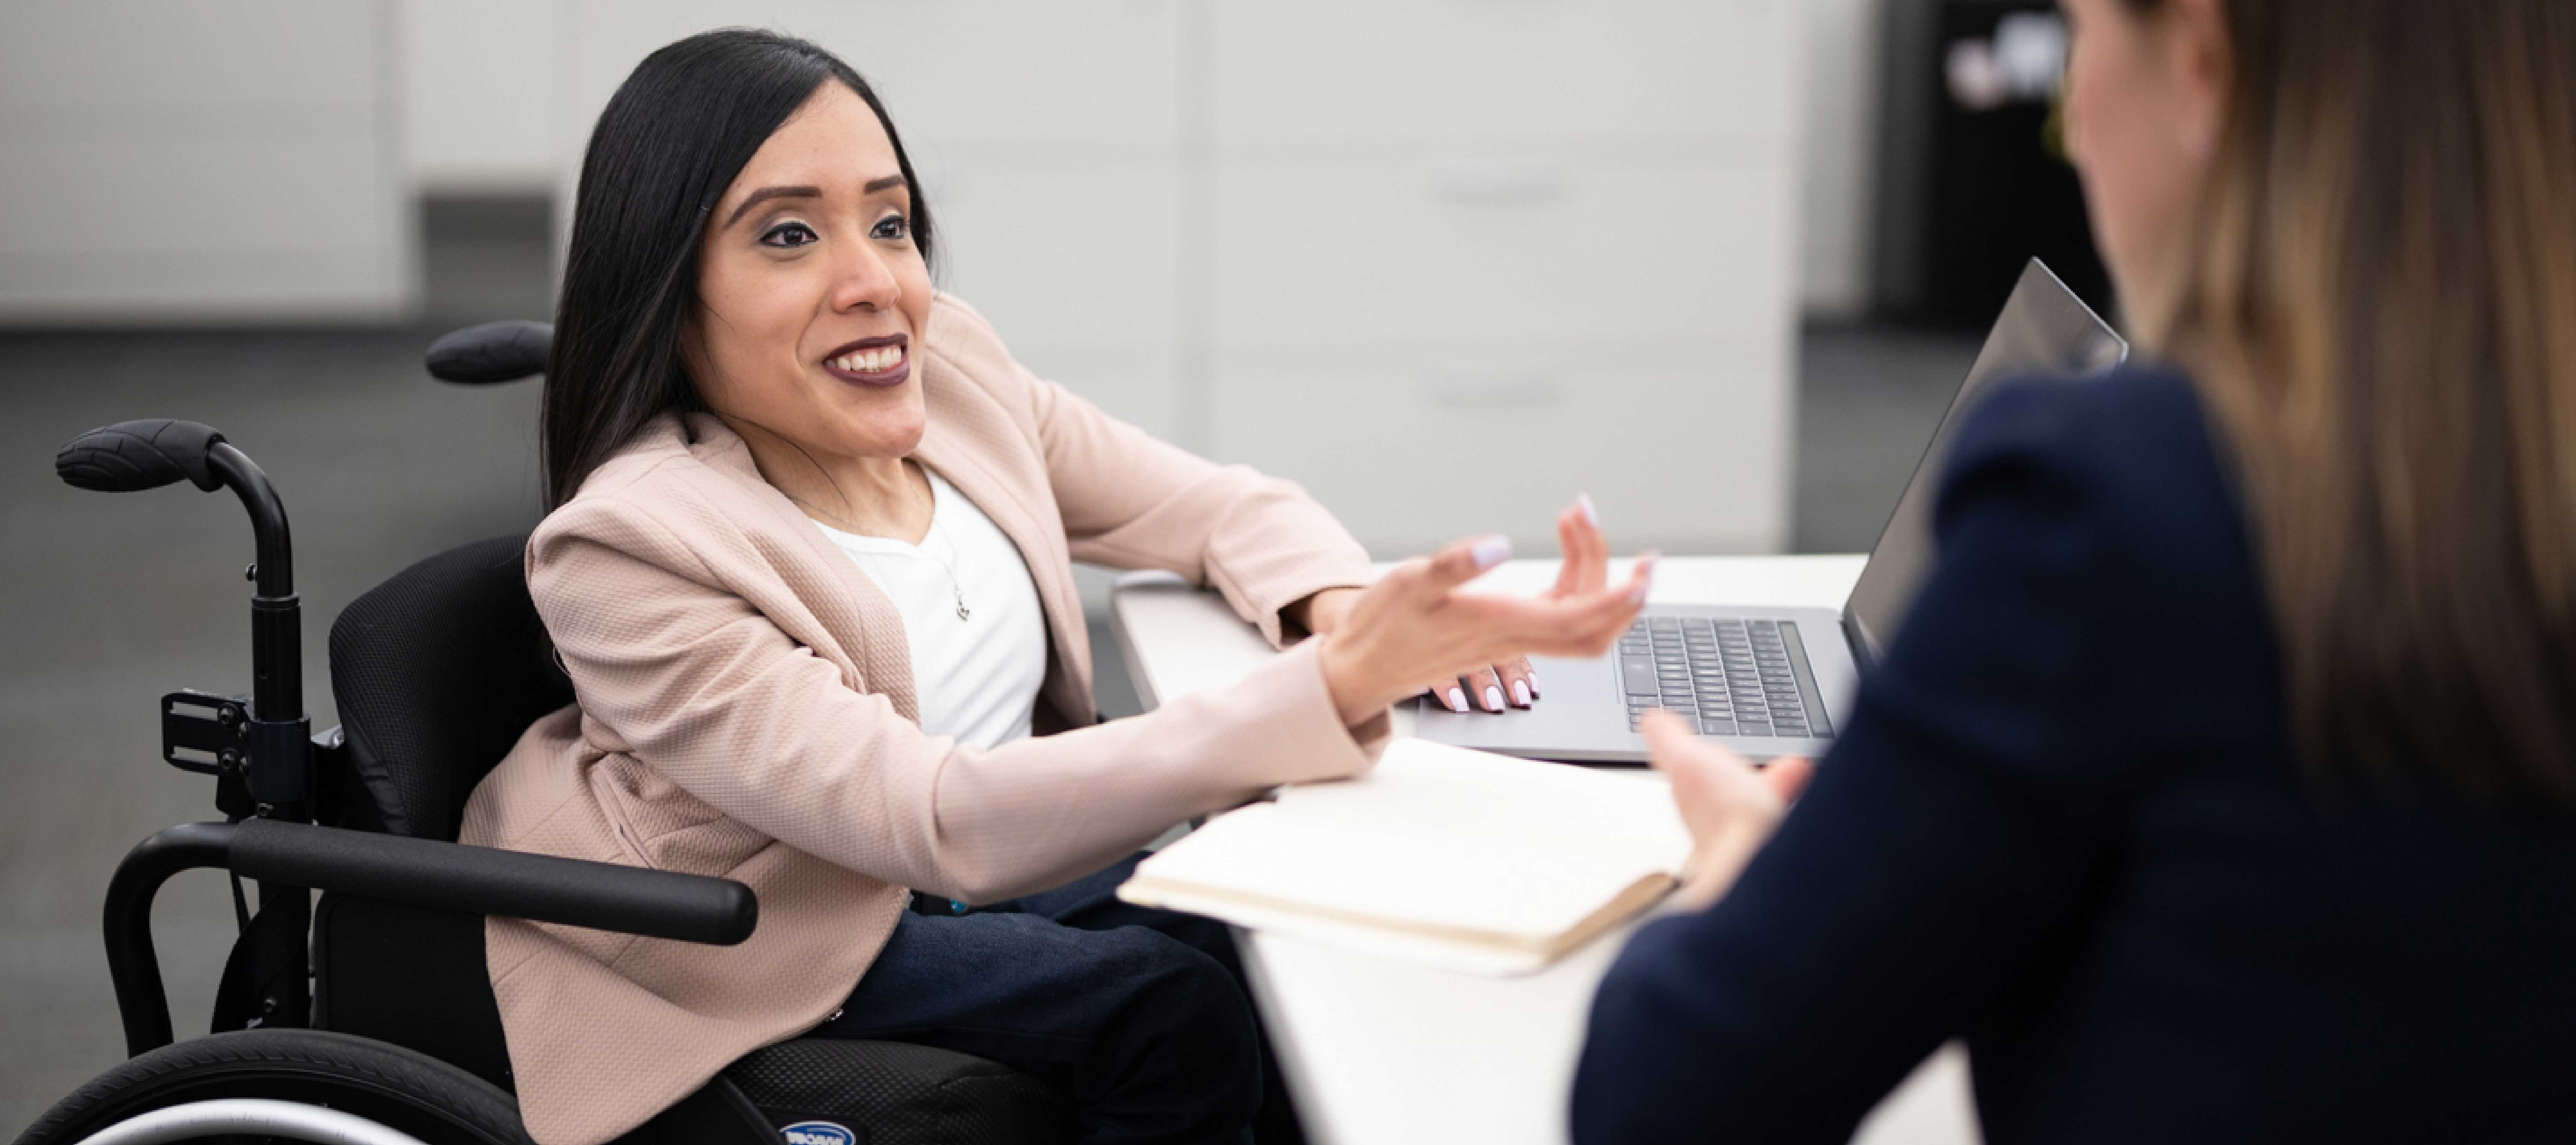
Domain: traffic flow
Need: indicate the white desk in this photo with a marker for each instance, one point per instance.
(1381, 1051)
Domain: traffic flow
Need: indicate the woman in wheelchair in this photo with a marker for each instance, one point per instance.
(808, 568)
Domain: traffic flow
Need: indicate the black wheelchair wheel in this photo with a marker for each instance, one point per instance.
(393, 1087)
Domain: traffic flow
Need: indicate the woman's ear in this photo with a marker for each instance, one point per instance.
(2202, 63)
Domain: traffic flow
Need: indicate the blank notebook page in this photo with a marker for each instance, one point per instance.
(1440, 838)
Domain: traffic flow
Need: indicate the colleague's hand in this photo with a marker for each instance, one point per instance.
(1414, 624)
(1730, 807)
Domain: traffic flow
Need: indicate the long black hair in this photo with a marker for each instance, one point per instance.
(669, 143)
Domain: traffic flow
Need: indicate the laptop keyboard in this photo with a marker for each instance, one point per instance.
(1730, 677)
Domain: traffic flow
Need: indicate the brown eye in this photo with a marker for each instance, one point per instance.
(789, 236)
(892, 228)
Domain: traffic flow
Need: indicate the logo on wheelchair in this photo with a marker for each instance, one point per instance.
(819, 1133)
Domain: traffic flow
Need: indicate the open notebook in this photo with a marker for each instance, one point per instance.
(1442, 855)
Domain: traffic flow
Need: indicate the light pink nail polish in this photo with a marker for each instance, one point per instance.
(1521, 692)
(1457, 699)
(1493, 698)
(1491, 551)
(1591, 515)
(1645, 579)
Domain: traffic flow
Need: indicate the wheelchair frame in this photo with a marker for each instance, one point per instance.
(264, 784)
(264, 758)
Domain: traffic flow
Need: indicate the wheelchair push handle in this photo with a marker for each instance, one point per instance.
(492, 353)
(136, 455)
(153, 452)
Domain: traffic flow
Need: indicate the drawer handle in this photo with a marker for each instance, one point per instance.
(1486, 389)
(1498, 181)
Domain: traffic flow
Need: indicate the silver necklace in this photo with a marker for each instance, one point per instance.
(956, 588)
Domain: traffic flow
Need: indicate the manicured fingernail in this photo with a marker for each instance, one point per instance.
(1457, 699)
(1493, 698)
(1521, 692)
(1591, 515)
(1645, 579)
(1491, 551)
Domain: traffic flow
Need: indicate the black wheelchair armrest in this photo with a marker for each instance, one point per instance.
(420, 872)
(483, 880)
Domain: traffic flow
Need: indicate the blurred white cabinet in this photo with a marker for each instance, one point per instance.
(1415, 72)
(1474, 256)
(169, 160)
(1444, 262)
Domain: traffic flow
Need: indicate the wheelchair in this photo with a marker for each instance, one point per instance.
(366, 1017)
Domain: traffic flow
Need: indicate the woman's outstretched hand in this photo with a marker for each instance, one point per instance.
(1510, 682)
(1414, 625)
(1730, 807)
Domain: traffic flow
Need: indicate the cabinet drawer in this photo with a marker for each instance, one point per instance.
(1517, 248)
(1031, 72)
(1686, 451)
(1361, 70)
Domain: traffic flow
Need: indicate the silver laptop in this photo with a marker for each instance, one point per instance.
(1779, 681)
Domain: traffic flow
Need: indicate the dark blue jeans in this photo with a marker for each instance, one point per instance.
(1138, 1014)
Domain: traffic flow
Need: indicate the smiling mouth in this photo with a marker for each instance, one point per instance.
(885, 360)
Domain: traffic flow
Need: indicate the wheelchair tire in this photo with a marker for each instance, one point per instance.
(386, 1084)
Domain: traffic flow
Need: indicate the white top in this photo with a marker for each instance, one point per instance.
(976, 677)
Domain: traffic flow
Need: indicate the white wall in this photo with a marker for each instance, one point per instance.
(164, 160)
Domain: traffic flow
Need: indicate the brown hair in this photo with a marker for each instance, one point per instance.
(2379, 307)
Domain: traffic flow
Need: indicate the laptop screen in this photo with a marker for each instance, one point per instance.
(2044, 329)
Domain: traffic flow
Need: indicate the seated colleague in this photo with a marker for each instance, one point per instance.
(808, 571)
(2222, 784)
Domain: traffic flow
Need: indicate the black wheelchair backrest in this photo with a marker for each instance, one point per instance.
(437, 672)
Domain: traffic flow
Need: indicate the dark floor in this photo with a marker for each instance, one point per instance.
(108, 602)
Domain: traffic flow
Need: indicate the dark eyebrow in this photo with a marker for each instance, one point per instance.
(767, 193)
(802, 192)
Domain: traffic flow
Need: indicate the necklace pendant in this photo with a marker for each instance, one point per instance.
(961, 609)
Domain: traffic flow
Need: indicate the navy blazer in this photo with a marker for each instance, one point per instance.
(2065, 824)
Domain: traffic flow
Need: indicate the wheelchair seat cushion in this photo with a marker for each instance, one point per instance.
(904, 1094)
(437, 672)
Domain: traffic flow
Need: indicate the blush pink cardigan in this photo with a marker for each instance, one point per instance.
(745, 709)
